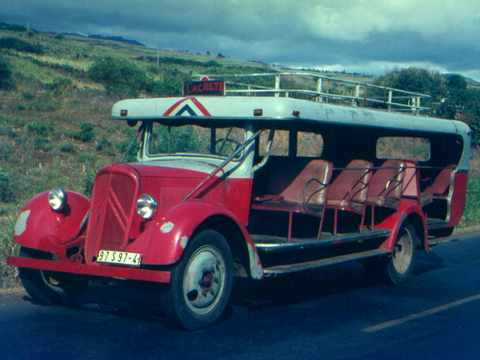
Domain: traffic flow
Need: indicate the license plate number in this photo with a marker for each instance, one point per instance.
(119, 257)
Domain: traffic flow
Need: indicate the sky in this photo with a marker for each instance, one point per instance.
(369, 36)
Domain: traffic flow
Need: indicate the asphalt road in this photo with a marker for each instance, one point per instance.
(334, 313)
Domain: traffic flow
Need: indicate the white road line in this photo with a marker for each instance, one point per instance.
(419, 315)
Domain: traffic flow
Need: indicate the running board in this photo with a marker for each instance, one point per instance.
(290, 268)
(272, 244)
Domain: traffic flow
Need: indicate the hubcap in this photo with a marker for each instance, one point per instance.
(50, 281)
(403, 252)
(204, 279)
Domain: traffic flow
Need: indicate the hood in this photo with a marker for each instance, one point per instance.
(174, 168)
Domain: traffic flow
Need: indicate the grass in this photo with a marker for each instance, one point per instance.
(55, 126)
(471, 215)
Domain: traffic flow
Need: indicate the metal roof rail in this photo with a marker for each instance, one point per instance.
(321, 88)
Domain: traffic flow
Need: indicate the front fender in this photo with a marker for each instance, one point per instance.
(41, 228)
(165, 238)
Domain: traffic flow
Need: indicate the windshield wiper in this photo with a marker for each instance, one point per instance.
(206, 182)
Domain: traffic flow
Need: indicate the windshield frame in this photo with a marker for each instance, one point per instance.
(145, 147)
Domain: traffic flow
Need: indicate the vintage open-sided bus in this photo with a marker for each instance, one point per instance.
(252, 181)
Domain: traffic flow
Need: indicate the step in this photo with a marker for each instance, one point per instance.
(275, 244)
(290, 268)
(436, 224)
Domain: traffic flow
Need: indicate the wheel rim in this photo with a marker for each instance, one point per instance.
(50, 281)
(204, 280)
(403, 253)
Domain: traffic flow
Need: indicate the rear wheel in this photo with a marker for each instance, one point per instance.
(47, 287)
(201, 283)
(400, 265)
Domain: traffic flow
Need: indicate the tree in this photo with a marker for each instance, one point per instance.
(417, 80)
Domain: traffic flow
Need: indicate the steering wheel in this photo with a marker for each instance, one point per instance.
(224, 141)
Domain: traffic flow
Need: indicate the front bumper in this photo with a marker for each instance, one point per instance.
(117, 272)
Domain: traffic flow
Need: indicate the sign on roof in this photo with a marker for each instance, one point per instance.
(204, 87)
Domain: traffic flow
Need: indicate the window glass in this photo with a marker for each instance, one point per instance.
(408, 148)
(193, 139)
(228, 139)
(309, 144)
(279, 146)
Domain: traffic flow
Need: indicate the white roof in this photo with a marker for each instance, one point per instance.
(282, 109)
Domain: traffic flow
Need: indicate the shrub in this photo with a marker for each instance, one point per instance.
(39, 128)
(8, 131)
(42, 144)
(128, 149)
(5, 74)
(67, 148)
(6, 192)
(102, 144)
(20, 45)
(28, 96)
(165, 88)
(86, 133)
(60, 85)
(6, 151)
(119, 75)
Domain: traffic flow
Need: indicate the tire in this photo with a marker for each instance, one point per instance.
(50, 288)
(201, 283)
(398, 267)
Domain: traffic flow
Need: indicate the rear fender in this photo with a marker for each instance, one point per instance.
(41, 228)
(409, 211)
(165, 238)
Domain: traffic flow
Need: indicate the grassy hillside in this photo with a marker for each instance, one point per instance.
(55, 127)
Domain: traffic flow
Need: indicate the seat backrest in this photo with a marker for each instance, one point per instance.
(387, 180)
(310, 183)
(442, 181)
(351, 183)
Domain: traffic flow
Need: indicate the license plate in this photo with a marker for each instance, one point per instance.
(119, 257)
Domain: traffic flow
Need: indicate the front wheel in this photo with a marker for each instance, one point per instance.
(47, 287)
(201, 282)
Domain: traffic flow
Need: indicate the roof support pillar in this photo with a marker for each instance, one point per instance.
(389, 100)
(277, 85)
(319, 89)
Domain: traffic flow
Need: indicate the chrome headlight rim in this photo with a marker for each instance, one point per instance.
(146, 206)
(57, 199)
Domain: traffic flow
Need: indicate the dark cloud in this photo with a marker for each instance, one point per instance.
(356, 34)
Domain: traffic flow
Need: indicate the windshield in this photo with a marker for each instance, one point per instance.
(194, 140)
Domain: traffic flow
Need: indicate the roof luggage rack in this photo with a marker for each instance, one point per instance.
(320, 88)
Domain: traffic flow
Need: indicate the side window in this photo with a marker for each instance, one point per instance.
(279, 146)
(309, 144)
(402, 147)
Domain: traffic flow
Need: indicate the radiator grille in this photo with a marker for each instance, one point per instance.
(112, 205)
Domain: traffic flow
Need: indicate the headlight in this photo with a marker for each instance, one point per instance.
(57, 198)
(146, 206)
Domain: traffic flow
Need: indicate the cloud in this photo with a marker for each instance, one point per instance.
(346, 32)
